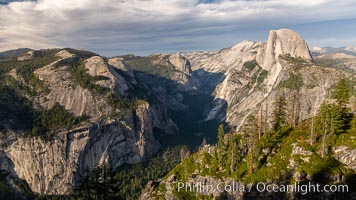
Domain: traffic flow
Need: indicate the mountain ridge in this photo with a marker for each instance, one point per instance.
(132, 106)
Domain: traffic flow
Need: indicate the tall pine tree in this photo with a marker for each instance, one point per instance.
(250, 130)
(279, 113)
(341, 92)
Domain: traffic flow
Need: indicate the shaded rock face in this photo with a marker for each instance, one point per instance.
(184, 78)
(123, 69)
(97, 66)
(181, 64)
(181, 73)
(5, 163)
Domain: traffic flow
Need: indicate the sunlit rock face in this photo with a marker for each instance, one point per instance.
(250, 74)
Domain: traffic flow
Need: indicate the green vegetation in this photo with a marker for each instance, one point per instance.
(341, 92)
(122, 105)
(15, 110)
(81, 53)
(251, 157)
(7, 190)
(46, 122)
(26, 68)
(294, 82)
(262, 76)
(132, 179)
(297, 62)
(30, 82)
(81, 77)
(127, 181)
(37, 86)
(250, 65)
(151, 64)
(279, 113)
(7, 64)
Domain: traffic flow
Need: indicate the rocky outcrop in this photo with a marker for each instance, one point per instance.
(73, 97)
(251, 74)
(245, 78)
(346, 156)
(181, 64)
(123, 69)
(98, 67)
(225, 59)
(56, 166)
(30, 54)
(183, 76)
(281, 42)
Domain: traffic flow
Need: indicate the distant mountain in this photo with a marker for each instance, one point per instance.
(349, 50)
(14, 53)
(342, 57)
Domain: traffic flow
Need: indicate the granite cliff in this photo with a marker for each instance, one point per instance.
(118, 127)
(122, 110)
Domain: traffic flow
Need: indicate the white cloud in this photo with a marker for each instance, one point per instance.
(139, 25)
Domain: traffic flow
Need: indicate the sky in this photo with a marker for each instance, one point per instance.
(143, 27)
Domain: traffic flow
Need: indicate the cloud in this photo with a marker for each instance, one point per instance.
(144, 26)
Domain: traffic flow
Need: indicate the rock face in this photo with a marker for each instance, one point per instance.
(54, 167)
(346, 156)
(225, 59)
(181, 72)
(73, 97)
(244, 79)
(97, 66)
(281, 42)
(181, 64)
(341, 58)
(123, 69)
(57, 165)
(249, 76)
(184, 77)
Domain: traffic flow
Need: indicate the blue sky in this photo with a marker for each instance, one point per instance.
(142, 27)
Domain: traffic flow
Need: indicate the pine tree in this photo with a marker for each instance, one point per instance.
(279, 113)
(250, 130)
(341, 92)
(353, 125)
(221, 134)
(332, 119)
(221, 144)
(293, 83)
